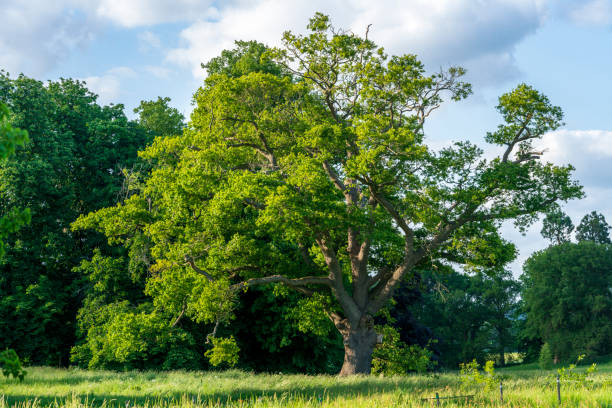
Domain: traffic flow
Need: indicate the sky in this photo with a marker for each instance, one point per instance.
(133, 50)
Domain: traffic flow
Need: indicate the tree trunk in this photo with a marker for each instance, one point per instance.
(359, 345)
(502, 355)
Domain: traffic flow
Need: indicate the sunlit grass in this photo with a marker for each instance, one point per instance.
(526, 386)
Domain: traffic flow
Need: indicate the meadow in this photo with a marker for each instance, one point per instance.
(524, 386)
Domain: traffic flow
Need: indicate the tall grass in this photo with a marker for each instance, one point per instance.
(74, 388)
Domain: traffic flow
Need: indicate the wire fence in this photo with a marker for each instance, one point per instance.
(438, 399)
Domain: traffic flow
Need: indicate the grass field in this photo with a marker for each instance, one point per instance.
(525, 386)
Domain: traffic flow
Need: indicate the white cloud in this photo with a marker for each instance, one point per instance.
(134, 13)
(148, 40)
(480, 34)
(108, 86)
(590, 152)
(594, 12)
(35, 35)
(159, 72)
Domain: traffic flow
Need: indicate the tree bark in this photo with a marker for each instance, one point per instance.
(502, 357)
(359, 345)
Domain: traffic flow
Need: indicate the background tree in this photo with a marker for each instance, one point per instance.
(567, 298)
(499, 296)
(159, 118)
(593, 227)
(321, 181)
(10, 138)
(71, 166)
(459, 316)
(557, 227)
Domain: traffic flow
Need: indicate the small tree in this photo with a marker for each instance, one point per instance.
(318, 177)
(546, 358)
(593, 227)
(557, 227)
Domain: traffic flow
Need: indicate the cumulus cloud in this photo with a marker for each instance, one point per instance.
(479, 34)
(590, 152)
(35, 35)
(108, 85)
(136, 13)
(148, 40)
(594, 12)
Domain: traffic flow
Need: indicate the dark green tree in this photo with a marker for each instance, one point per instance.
(593, 227)
(567, 298)
(321, 181)
(10, 139)
(557, 227)
(71, 166)
(498, 293)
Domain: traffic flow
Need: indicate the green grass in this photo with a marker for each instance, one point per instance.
(526, 386)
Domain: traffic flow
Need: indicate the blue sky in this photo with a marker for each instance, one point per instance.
(129, 50)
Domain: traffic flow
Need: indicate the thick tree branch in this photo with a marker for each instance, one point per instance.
(291, 282)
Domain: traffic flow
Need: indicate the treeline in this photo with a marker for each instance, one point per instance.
(71, 295)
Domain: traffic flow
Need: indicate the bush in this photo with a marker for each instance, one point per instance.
(11, 365)
(470, 376)
(394, 356)
(546, 360)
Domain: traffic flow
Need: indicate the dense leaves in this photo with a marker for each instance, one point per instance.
(593, 227)
(567, 298)
(72, 165)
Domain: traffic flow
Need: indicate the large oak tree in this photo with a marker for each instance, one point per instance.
(310, 170)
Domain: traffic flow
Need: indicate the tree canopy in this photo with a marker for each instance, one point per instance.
(557, 227)
(317, 176)
(567, 299)
(71, 165)
(593, 227)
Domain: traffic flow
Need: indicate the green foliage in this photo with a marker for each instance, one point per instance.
(570, 374)
(394, 357)
(10, 138)
(567, 300)
(11, 365)
(159, 118)
(307, 166)
(471, 375)
(247, 57)
(471, 315)
(223, 351)
(593, 227)
(557, 226)
(310, 315)
(71, 165)
(122, 337)
(274, 335)
(545, 361)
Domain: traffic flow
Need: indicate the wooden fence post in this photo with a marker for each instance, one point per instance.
(558, 389)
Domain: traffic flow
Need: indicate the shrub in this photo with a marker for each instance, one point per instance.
(471, 376)
(546, 360)
(394, 356)
(11, 365)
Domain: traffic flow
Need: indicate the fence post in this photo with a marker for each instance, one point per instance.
(501, 391)
(437, 399)
(558, 389)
